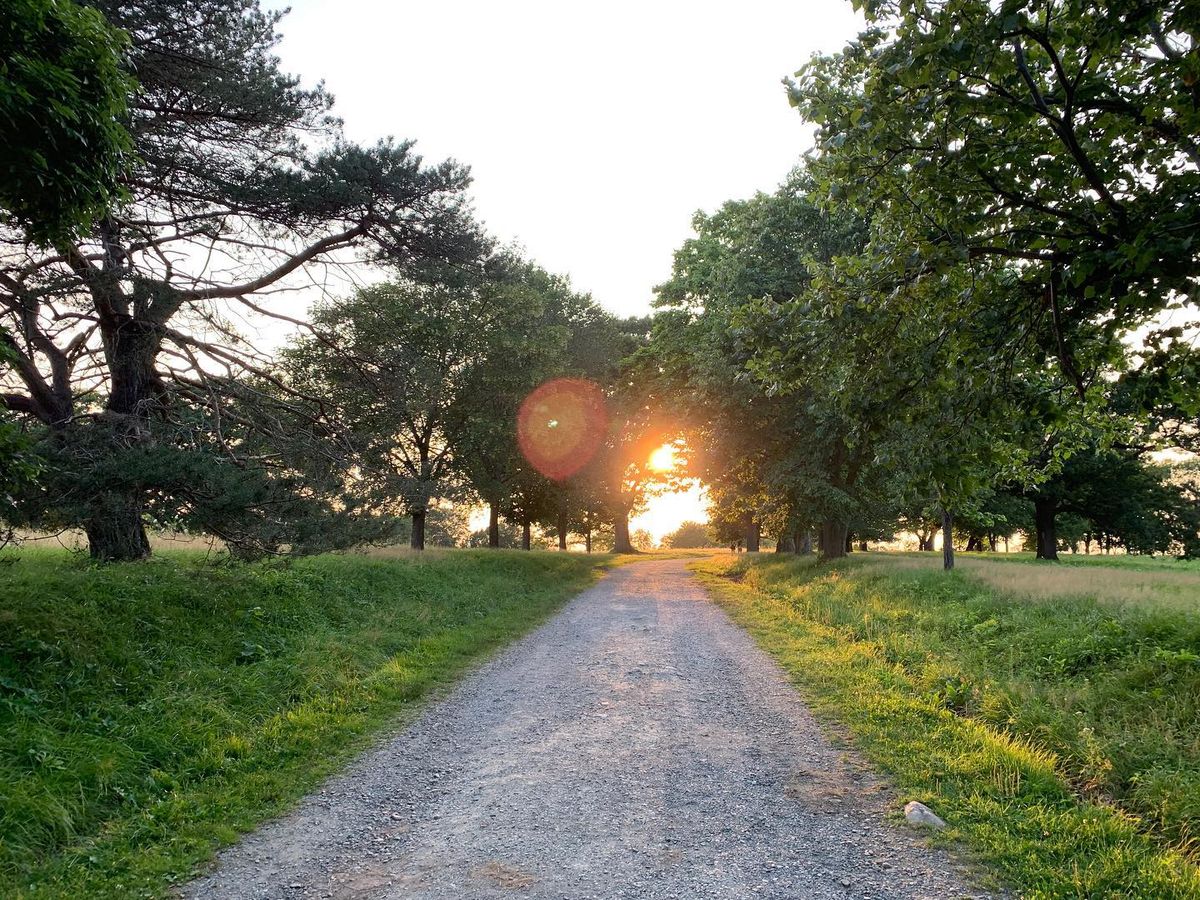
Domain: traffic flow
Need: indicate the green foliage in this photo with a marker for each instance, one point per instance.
(1056, 738)
(1121, 500)
(1060, 135)
(968, 282)
(126, 331)
(151, 712)
(63, 105)
(774, 456)
(401, 357)
(689, 536)
(539, 339)
(19, 464)
(642, 540)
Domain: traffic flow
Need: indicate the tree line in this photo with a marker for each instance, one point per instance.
(170, 180)
(972, 307)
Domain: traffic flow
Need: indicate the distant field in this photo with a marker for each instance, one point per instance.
(75, 540)
(152, 711)
(1152, 582)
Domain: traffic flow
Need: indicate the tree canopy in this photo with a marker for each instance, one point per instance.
(63, 104)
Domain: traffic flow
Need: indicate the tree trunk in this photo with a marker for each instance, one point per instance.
(753, 535)
(621, 542)
(849, 543)
(115, 530)
(525, 529)
(561, 527)
(493, 525)
(114, 526)
(992, 543)
(833, 539)
(1045, 511)
(804, 542)
(925, 540)
(785, 544)
(947, 539)
(862, 546)
(418, 529)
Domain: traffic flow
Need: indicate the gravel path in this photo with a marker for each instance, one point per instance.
(636, 745)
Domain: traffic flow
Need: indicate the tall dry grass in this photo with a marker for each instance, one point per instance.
(1113, 583)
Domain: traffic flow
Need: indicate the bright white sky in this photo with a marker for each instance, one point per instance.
(593, 131)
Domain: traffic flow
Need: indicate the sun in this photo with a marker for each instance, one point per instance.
(662, 459)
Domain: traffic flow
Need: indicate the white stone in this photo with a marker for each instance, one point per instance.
(920, 814)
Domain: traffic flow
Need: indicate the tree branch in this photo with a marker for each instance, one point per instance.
(324, 245)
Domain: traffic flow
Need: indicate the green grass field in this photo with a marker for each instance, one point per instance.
(1058, 735)
(151, 712)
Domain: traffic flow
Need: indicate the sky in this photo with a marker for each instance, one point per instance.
(594, 132)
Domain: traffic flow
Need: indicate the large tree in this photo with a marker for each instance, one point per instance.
(122, 340)
(786, 456)
(542, 314)
(1060, 136)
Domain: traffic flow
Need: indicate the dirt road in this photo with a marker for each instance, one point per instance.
(637, 745)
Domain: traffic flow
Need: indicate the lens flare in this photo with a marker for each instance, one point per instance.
(560, 426)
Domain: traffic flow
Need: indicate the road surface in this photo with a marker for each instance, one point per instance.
(636, 745)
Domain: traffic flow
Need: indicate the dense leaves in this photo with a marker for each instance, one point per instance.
(63, 102)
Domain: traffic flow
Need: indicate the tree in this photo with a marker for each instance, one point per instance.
(767, 454)
(688, 536)
(398, 367)
(1118, 496)
(612, 484)
(63, 102)
(122, 350)
(1059, 136)
(615, 481)
(540, 313)
(642, 540)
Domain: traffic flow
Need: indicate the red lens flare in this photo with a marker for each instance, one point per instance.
(560, 426)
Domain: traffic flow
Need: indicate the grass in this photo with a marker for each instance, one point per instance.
(1138, 581)
(1061, 740)
(152, 712)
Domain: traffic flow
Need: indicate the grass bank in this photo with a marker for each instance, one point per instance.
(152, 712)
(1060, 740)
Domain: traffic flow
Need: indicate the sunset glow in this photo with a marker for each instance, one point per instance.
(666, 512)
(662, 459)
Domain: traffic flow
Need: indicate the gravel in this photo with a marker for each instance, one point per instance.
(636, 745)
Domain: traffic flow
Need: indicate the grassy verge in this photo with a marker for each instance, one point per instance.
(151, 712)
(1061, 741)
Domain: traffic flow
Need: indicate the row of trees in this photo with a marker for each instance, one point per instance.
(151, 207)
(973, 305)
(419, 382)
